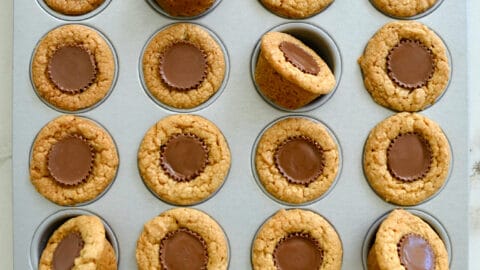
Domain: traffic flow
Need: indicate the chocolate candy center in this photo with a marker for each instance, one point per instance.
(415, 253)
(410, 64)
(300, 160)
(184, 157)
(67, 251)
(298, 252)
(183, 250)
(408, 157)
(70, 160)
(183, 66)
(72, 69)
(299, 58)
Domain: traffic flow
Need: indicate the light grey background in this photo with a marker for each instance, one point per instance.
(5, 131)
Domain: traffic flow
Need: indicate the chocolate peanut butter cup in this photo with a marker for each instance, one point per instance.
(70, 160)
(410, 64)
(184, 157)
(298, 251)
(67, 251)
(409, 157)
(183, 249)
(415, 253)
(299, 58)
(72, 69)
(183, 66)
(299, 159)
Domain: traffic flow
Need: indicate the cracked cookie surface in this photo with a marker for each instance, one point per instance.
(203, 185)
(149, 242)
(105, 160)
(296, 9)
(404, 8)
(96, 252)
(73, 7)
(287, 222)
(215, 66)
(384, 254)
(375, 159)
(73, 35)
(269, 174)
(382, 88)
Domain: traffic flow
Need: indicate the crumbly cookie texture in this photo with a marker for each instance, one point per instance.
(286, 222)
(148, 244)
(73, 7)
(375, 159)
(384, 255)
(271, 178)
(76, 35)
(97, 252)
(384, 90)
(185, 8)
(183, 32)
(296, 9)
(104, 168)
(403, 8)
(282, 82)
(202, 186)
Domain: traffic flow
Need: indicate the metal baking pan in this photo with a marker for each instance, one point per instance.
(240, 112)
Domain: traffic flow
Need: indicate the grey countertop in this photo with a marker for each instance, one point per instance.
(6, 27)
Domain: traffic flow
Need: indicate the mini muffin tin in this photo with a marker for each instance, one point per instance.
(339, 34)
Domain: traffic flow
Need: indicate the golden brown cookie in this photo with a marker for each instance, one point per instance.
(185, 8)
(73, 7)
(296, 9)
(183, 66)
(184, 159)
(403, 8)
(289, 73)
(297, 236)
(404, 241)
(79, 243)
(163, 241)
(405, 66)
(73, 160)
(406, 158)
(73, 67)
(297, 160)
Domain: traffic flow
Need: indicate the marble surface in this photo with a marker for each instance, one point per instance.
(6, 12)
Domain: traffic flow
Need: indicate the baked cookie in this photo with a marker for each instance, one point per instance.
(403, 8)
(404, 241)
(297, 239)
(289, 73)
(405, 66)
(73, 67)
(296, 9)
(183, 66)
(164, 240)
(297, 160)
(184, 159)
(73, 7)
(185, 8)
(79, 243)
(406, 158)
(73, 160)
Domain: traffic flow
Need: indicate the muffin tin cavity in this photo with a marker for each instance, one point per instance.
(79, 17)
(283, 191)
(436, 225)
(416, 16)
(157, 8)
(47, 227)
(203, 92)
(89, 98)
(318, 40)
